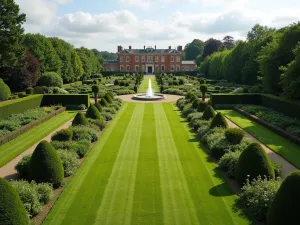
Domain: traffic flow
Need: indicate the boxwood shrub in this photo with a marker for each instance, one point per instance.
(22, 167)
(63, 135)
(80, 120)
(4, 91)
(234, 135)
(80, 147)
(209, 113)
(70, 162)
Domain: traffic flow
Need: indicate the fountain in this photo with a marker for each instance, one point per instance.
(149, 96)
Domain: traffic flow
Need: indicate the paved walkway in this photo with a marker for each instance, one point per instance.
(287, 167)
(8, 171)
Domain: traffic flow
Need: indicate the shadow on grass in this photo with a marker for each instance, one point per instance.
(221, 190)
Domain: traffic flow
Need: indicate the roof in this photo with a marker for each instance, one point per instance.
(188, 62)
(150, 51)
(110, 61)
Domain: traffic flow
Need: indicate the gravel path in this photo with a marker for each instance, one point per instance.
(8, 171)
(287, 167)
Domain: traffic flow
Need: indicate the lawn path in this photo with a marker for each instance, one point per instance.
(15, 147)
(178, 207)
(147, 205)
(83, 195)
(277, 147)
(144, 86)
(116, 207)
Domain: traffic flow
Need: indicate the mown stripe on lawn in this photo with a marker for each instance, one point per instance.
(178, 206)
(116, 206)
(147, 205)
(15, 147)
(83, 195)
(211, 195)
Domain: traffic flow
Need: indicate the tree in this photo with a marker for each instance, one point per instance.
(208, 113)
(89, 61)
(211, 46)
(50, 79)
(228, 42)
(76, 65)
(203, 89)
(93, 112)
(107, 56)
(80, 120)
(193, 49)
(11, 33)
(95, 90)
(219, 121)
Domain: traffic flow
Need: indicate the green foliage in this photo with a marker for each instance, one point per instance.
(63, 135)
(108, 98)
(23, 167)
(203, 89)
(209, 113)
(219, 121)
(228, 162)
(76, 65)
(92, 112)
(50, 79)
(99, 107)
(12, 210)
(84, 133)
(90, 62)
(211, 45)
(193, 49)
(4, 90)
(38, 90)
(70, 162)
(285, 206)
(234, 135)
(252, 163)
(103, 102)
(29, 91)
(258, 195)
(80, 147)
(46, 166)
(11, 34)
(202, 106)
(80, 120)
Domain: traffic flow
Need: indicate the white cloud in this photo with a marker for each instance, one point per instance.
(144, 4)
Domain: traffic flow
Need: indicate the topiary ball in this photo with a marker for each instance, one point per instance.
(99, 107)
(46, 166)
(252, 163)
(29, 91)
(63, 135)
(80, 120)
(234, 135)
(208, 113)
(219, 121)
(201, 106)
(93, 112)
(50, 79)
(103, 102)
(285, 207)
(4, 91)
(12, 211)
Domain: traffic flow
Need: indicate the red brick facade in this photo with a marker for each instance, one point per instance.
(150, 60)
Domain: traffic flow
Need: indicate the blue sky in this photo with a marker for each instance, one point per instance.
(104, 24)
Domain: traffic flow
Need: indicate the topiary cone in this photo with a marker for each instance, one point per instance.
(80, 119)
(208, 113)
(98, 106)
(12, 211)
(93, 112)
(219, 121)
(285, 207)
(253, 162)
(46, 166)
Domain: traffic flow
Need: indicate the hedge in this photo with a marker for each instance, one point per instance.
(74, 99)
(233, 99)
(19, 105)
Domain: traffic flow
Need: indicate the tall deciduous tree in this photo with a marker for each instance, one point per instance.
(193, 49)
(211, 45)
(228, 42)
(11, 33)
(76, 65)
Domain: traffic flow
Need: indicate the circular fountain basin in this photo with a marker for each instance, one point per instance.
(145, 97)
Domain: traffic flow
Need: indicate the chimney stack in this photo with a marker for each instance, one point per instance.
(120, 48)
(179, 48)
(144, 47)
(169, 47)
(129, 47)
(155, 47)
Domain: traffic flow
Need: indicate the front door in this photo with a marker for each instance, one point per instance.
(150, 69)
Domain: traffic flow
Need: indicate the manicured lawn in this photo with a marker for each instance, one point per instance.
(278, 144)
(10, 150)
(144, 86)
(147, 168)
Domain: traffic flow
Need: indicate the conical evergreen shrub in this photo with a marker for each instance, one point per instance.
(103, 102)
(219, 121)
(208, 113)
(201, 106)
(108, 98)
(80, 120)
(46, 166)
(195, 104)
(93, 112)
(252, 163)
(12, 211)
(99, 107)
(285, 207)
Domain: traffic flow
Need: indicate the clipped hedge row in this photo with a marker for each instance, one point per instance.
(14, 134)
(19, 105)
(64, 100)
(233, 99)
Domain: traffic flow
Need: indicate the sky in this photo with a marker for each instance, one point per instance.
(105, 24)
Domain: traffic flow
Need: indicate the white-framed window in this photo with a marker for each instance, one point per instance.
(172, 68)
(127, 68)
(162, 59)
(137, 59)
(136, 68)
(156, 68)
(121, 68)
(177, 58)
(172, 58)
(149, 58)
(156, 58)
(143, 58)
(163, 68)
(177, 68)
(127, 58)
(121, 58)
